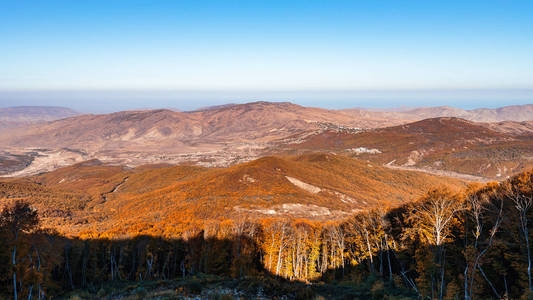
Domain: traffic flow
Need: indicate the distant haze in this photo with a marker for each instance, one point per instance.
(103, 101)
(307, 52)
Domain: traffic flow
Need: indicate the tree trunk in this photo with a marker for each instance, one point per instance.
(388, 258)
(369, 252)
(443, 263)
(505, 283)
(466, 282)
(270, 255)
(14, 262)
(381, 257)
(490, 283)
(15, 285)
(30, 292)
(279, 253)
(526, 233)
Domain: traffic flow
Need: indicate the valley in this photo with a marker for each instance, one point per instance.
(233, 134)
(265, 200)
(284, 150)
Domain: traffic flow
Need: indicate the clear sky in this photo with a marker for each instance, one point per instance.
(107, 55)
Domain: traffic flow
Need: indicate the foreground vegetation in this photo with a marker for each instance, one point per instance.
(472, 245)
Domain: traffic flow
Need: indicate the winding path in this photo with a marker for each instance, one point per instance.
(104, 195)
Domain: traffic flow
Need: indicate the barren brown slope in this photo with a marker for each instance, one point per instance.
(252, 122)
(517, 113)
(258, 121)
(213, 137)
(449, 144)
(156, 199)
(109, 131)
(218, 136)
(512, 128)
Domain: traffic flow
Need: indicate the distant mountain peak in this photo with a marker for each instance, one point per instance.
(253, 104)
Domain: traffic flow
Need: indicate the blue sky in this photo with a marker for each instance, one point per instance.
(184, 54)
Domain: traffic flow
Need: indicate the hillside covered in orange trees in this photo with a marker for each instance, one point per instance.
(157, 199)
(470, 241)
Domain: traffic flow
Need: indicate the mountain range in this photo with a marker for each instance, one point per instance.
(149, 171)
(452, 140)
(516, 113)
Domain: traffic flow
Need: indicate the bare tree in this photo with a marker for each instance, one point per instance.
(523, 204)
(283, 231)
(479, 206)
(337, 237)
(433, 217)
(362, 229)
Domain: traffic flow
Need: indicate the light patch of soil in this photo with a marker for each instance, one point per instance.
(304, 186)
(247, 178)
(293, 209)
(49, 160)
(343, 197)
(438, 172)
(303, 209)
(361, 150)
(414, 156)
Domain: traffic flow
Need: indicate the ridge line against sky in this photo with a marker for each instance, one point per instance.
(105, 101)
(326, 53)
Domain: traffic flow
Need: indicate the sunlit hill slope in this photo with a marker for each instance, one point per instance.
(99, 199)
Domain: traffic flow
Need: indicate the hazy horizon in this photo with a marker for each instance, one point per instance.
(98, 101)
(103, 56)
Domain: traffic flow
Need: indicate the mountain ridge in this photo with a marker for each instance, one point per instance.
(217, 136)
(488, 150)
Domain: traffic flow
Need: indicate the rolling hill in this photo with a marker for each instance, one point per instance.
(93, 198)
(230, 134)
(439, 144)
(252, 122)
(516, 113)
(218, 136)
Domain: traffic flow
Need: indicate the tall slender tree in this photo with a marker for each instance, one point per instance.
(17, 219)
(522, 204)
(432, 218)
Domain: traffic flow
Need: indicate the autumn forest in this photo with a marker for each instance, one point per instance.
(473, 244)
(284, 150)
